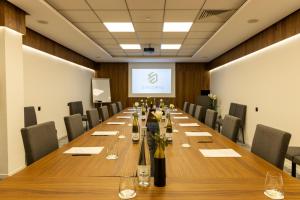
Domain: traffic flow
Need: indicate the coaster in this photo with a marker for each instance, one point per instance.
(186, 145)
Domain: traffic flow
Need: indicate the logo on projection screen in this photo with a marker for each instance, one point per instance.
(152, 77)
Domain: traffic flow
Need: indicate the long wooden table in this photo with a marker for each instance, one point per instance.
(190, 175)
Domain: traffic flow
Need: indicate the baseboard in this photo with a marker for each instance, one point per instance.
(3, 176)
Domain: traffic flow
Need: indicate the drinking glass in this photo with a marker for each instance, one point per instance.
(144, 175)
(127, 188)
(274, 185)
(186, 142)
(112, 151)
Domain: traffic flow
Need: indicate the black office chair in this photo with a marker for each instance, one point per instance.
(93, 117)
(198, 111)
(236, 110)
(270, 144)
(119, 105)
(192, 109)
(114, 109)
(103, 112)
(210, 118)
(29, 116)
(39, 140)
(76, 107)
(230, 127)
(291, 153)
(186, 106)
(74, 126)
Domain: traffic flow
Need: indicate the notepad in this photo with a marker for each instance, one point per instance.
(124, 117)
(131, 109)
(189, 124)
(116, 123)
(176, 113)
(105, 133)
(219, 153)
(128, 112)
(84, 150)
(185, 117)
(191, 134)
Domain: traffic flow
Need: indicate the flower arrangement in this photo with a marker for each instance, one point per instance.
(171, 106)
(158, 115)
(212, 101)
(136, 104)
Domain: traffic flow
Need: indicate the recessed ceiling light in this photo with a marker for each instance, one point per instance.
(42, 21)
(130, 46)
(170, 46)
(177, 26)
(119, 26)
(252, 21)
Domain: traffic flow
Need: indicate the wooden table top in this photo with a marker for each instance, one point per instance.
(190, 175)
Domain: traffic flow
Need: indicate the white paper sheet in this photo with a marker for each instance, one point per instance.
(124, 117)
(191, 134)
(126, 112)
(188, 124)
(132, 109)
(105, 133)
(84, 150)
(219, 153)
(177, 113)
(116, 123)
(185, 117)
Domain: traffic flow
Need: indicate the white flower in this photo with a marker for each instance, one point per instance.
(210, 96)
(172, 106)
(214, 97)
(157, 114)
(161, 100)
(142, 100)
(136, 104)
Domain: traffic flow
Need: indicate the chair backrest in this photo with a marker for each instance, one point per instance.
(230, 127)
(119, 105)
(76, 107)
(114, 109)
(93, 117)
(210, 118)
(103, 112)
(74, 126)
(270, 144)
(39, 140)
(198, 111)
(186, 106)
(238, 110)
(191, 109)
(29, 116)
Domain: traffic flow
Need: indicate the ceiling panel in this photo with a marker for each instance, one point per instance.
(131, 35)
(172, 40)
(97, 34)
(127, 41)
(202, 34)
(106, 41)
(206, 26)
(184, 4)
(68, 4)
(108, 4)
(94, 26)
(194, 41)
(80, 15)
(180, 15)
(223, 5)
(114, 15)
(149, 34)
(148, 26)
(150, 41)
(147, 15)
(146, 4)
(174, 35)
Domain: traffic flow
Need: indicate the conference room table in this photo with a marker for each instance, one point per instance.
(190, 175)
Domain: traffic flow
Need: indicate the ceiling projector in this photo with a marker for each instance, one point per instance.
(149, 50)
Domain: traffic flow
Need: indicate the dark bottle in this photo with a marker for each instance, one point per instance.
(159, 166)
(169, 129)
(135, 129)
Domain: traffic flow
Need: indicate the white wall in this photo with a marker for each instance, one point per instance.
(51, 83)
(268, 79)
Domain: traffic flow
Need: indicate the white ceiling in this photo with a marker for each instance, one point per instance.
(77, 24)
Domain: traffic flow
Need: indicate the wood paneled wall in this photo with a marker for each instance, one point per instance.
(38, 41)
(12, 17)
(283, 29)
(190, 79)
